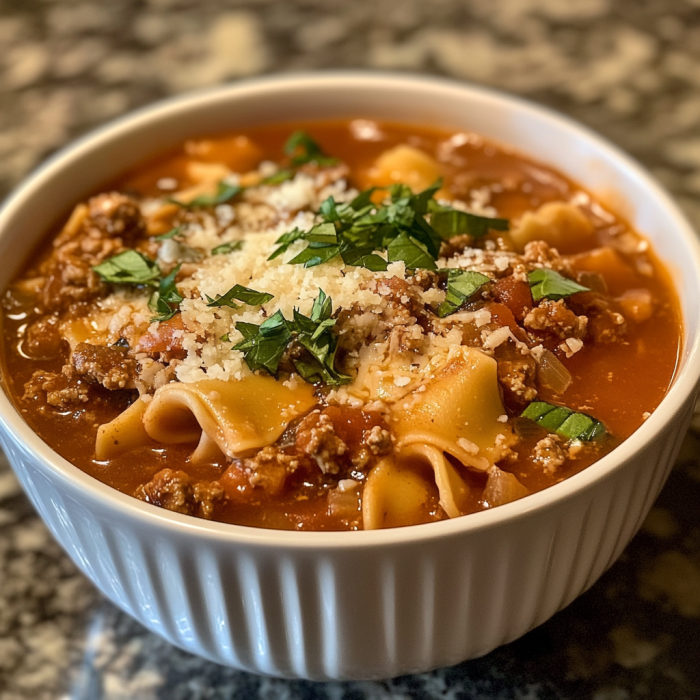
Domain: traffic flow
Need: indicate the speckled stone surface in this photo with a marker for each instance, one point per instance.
(628, 68)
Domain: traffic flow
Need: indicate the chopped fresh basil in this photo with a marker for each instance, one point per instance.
(411, 251)
(225, 248)
(165, 302)
(285, 240)
(240, 293)
(170, 234)
(315, 255)
(278, 178)
(461, 284)
(548, 284)
(224, 192)
(301, 148)
(565, 422)
(358, 231)
(224, 338)
(263, 346)
(129, 267)
(450, 222)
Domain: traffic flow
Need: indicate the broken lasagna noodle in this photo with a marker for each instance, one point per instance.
(349, 325)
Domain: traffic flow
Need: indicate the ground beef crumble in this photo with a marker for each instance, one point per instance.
(517, 374)
(56, 390)
(175, 491)
(42, 339)
(606, 324)
(109, 223)
(555, 318)
(379, 441)
(549, 454)
(98, 364)
(269, 468)
(316, 438)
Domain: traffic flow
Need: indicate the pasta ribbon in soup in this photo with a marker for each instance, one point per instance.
(124, 433)
(457, 414)
(233, 418)
(395, 495)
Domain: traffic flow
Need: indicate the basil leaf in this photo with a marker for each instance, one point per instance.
(312, 256)
(129, 267)
(420, 202)
(450, 222)
(364, 199)
(285, 240)
(563, 421)
(225, 248)
(301, 148)
(278, 178)
(364, 257)
(170, 234)
(322, 308)
(263, 346)
(548, 284)
(244, 294)
(247, 330)
(224, 192)
(399, 227)
(412, 252)
(461, 284)
(166, 301)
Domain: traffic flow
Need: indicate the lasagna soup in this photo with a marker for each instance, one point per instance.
(339, 326)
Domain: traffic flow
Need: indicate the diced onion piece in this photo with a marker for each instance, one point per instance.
(552, 374)
(594, 281)
(502, 487)
(526, 428)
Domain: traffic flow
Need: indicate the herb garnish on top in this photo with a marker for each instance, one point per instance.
(355, 231)
(263, 346)
(548, 284)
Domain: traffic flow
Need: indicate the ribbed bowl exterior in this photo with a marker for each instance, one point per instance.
(353, 613)
(354, 605)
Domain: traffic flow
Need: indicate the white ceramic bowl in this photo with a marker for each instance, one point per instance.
(354, 605)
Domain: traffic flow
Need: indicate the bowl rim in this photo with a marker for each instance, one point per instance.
(683, 387)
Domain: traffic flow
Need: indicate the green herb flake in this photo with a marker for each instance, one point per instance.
(226, 248)
(240, 293)
(449, 222)
(360, 231)
(263, 346)
(561, 420)
(166, 301)
(224, 192)
(278, 178)
(548, 284)
(129, 267)
(302, 149)
(461, 285)
(170, 234)
(412, 252)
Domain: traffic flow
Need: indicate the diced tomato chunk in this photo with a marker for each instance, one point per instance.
(166, 337)
(515, 294)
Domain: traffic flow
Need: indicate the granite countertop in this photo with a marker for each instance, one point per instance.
(629, 69)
